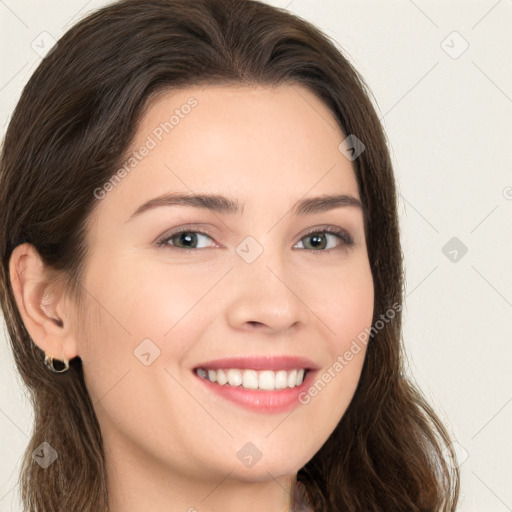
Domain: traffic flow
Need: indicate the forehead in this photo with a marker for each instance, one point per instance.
(260, 144)
(289, 112)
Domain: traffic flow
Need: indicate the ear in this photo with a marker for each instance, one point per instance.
(42, 303)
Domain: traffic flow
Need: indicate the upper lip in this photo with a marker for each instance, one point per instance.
(274, 363)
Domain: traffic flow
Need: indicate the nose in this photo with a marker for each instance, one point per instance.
(266, 295)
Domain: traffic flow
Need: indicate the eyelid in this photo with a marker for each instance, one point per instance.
(343, 235)
(193, 228)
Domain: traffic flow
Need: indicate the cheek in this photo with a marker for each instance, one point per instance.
(346, 310)
(141, 300)
(152, 317)
(160, 297)
(348, 314)
(345, 303)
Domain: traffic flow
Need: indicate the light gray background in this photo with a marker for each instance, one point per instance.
(448, 116)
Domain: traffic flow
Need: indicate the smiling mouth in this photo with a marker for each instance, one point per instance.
(264, 380)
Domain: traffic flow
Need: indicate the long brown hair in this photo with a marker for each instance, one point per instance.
(75, 120)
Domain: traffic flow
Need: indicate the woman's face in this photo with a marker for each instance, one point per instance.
(238, 284)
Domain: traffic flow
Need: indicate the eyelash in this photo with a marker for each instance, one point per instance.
(341, 234)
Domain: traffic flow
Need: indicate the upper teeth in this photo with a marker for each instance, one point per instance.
(252, 379)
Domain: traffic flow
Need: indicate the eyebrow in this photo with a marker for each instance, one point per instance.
(222, 204)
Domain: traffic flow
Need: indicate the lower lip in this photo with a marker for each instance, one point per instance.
(273, 402)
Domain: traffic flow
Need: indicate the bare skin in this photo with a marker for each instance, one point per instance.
(170, 443)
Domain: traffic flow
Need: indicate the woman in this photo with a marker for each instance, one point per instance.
(200, 242)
